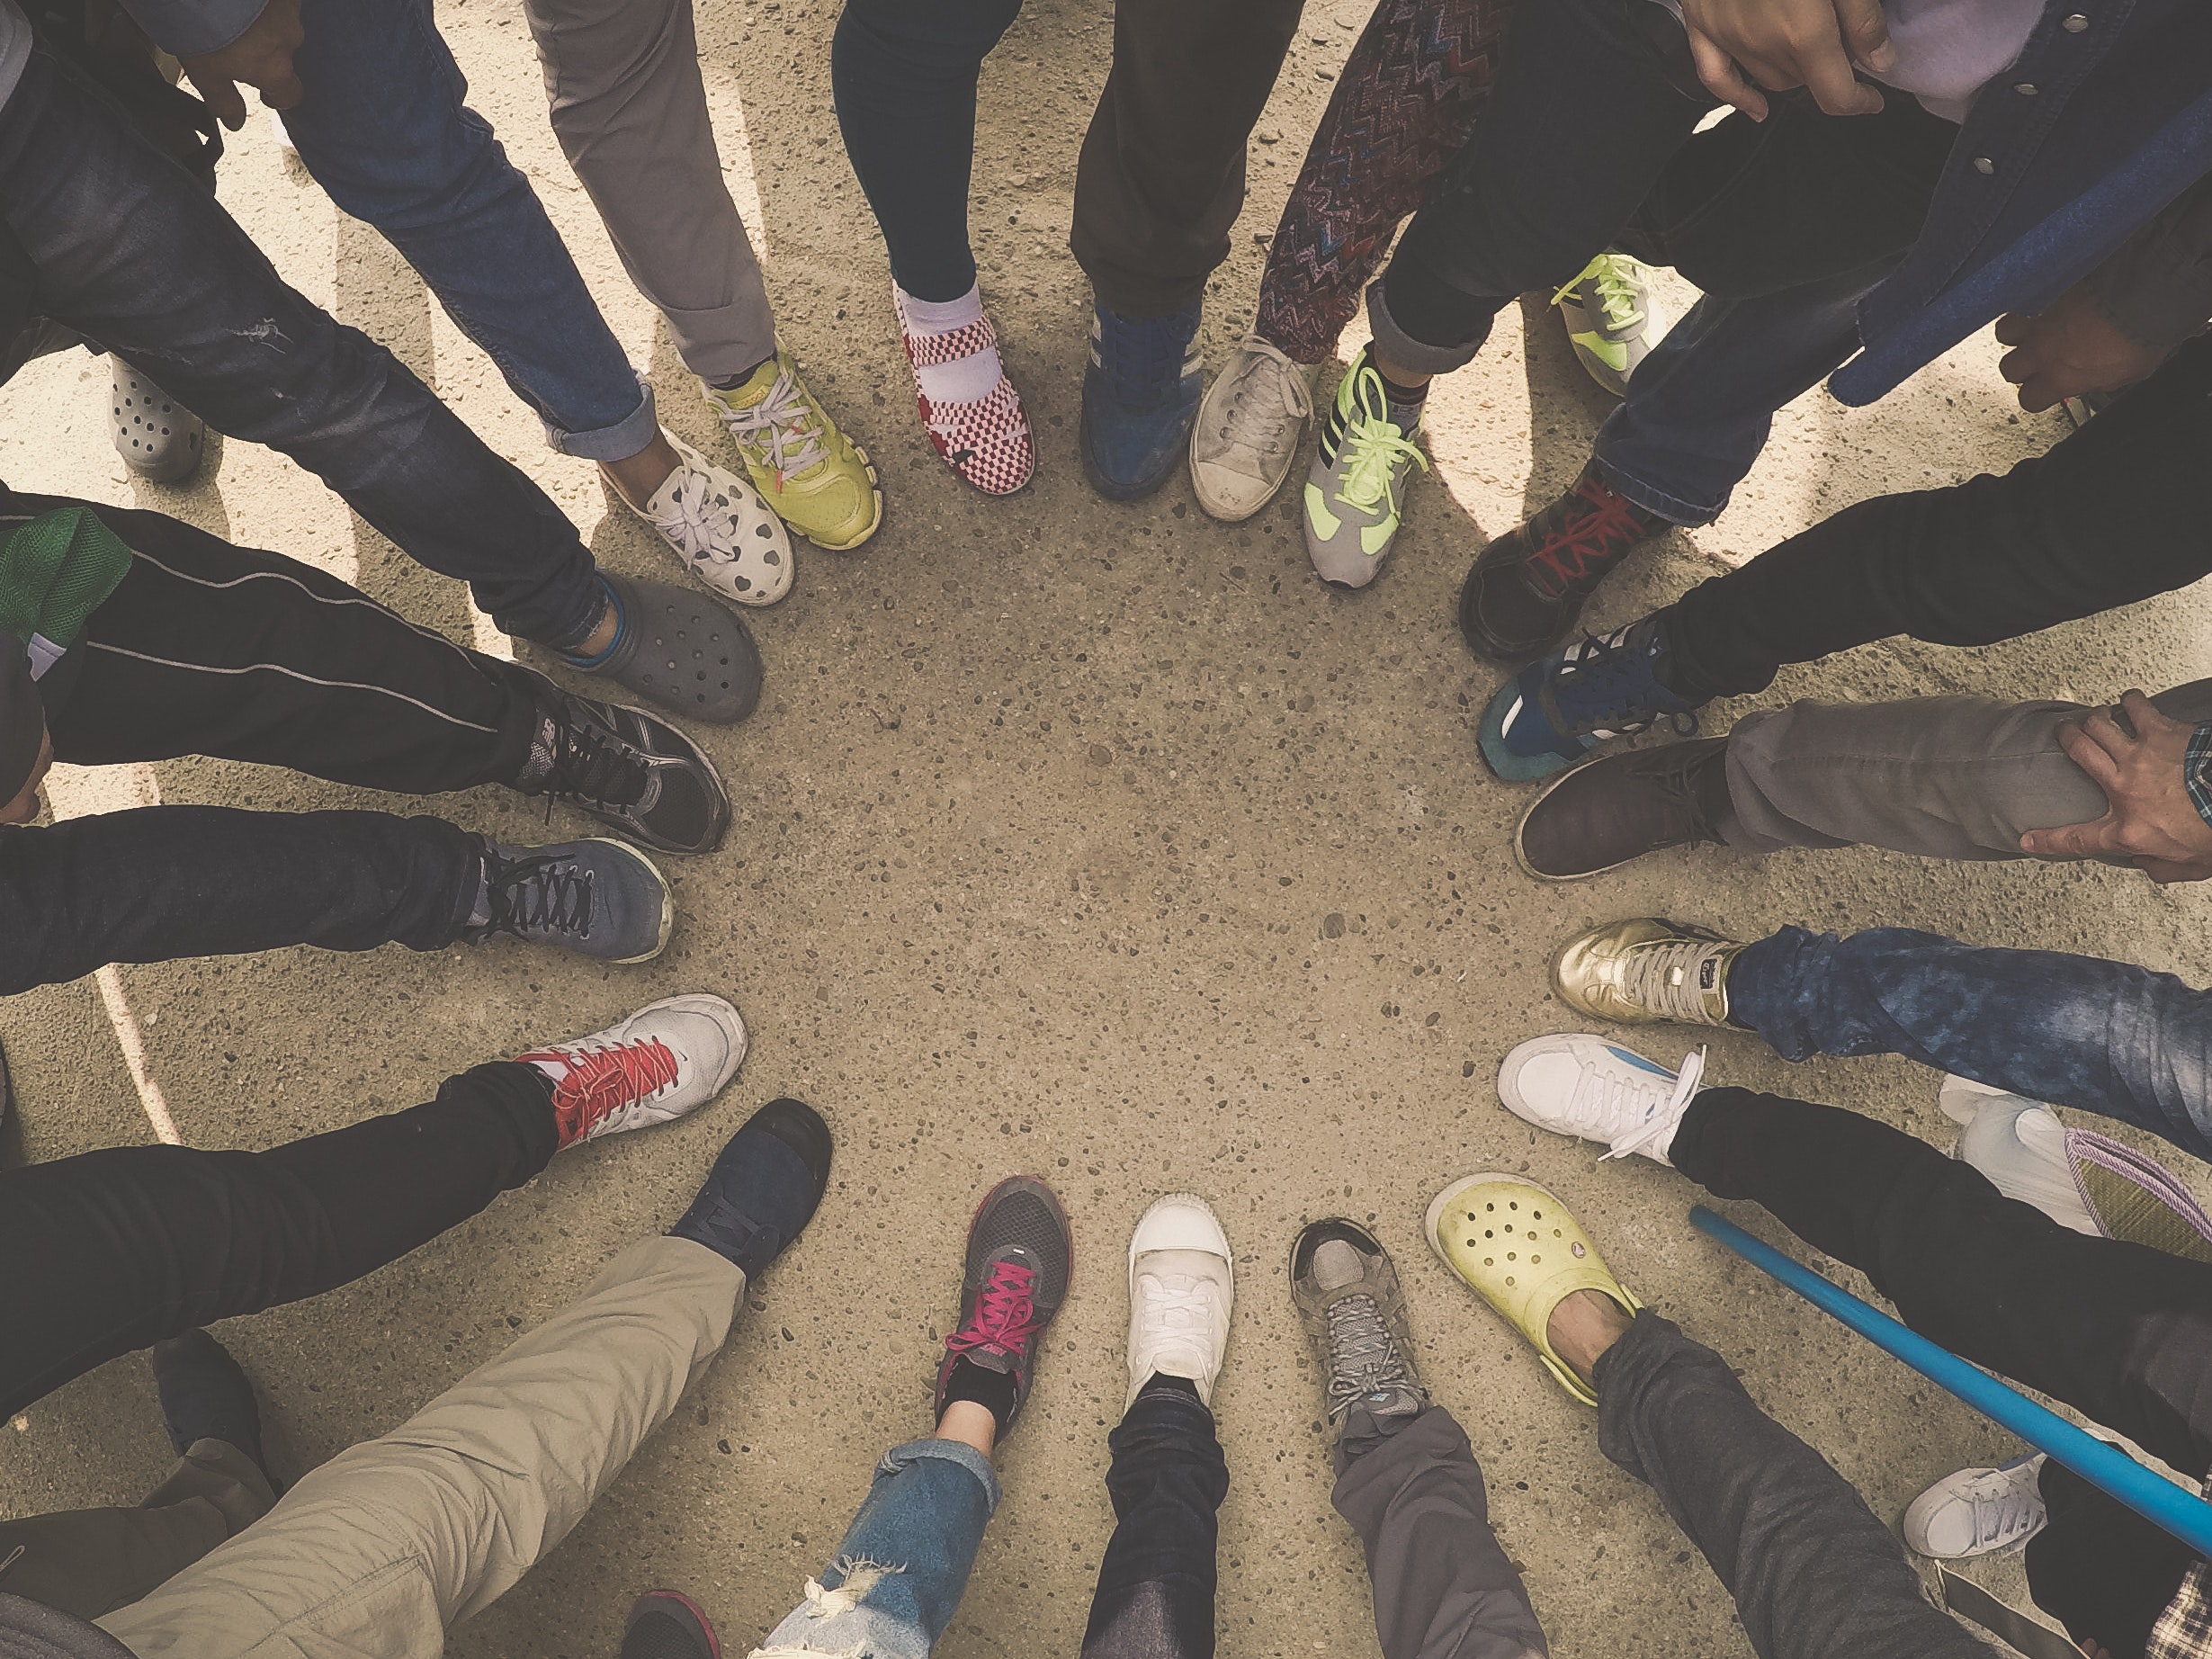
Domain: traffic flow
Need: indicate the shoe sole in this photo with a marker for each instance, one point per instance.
(875, 523)
(667, 899)
(1520, 855)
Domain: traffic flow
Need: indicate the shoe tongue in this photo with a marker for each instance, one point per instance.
(990, 1357)
(1337, 1263)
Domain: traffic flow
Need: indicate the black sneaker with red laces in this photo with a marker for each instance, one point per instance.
(1020, 1254)
(1527, 589)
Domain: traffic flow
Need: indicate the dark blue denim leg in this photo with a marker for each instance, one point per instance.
(384, 130)
(2076, 1031)
(1155, 1595)
(131, 253)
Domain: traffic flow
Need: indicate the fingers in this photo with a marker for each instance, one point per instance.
(1717, 70)
(2099, 838)
(1826, 68)
(2143, 716)
(2013, 328)
(1866, 35)
(283, 89)
(224, 98)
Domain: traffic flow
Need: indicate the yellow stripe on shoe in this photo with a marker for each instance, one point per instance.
(1522, 1251)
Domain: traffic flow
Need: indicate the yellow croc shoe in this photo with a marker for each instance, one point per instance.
(818, 480)
(1520, 1248)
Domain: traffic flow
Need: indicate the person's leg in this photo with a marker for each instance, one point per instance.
(2079, 1031)
(630, 111)
(2120, 1331)
(2098, 521)
(188, 297)
(1156, 1585)
(2097, 1568)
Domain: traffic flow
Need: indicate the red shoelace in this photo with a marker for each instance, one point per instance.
(1004, 1315)
(602, 1081)
(1598, 529)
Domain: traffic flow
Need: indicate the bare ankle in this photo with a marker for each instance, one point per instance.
(1583, 1327)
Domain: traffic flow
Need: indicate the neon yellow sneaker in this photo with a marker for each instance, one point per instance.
(1352, 491)
(1612, 321)
(817, 480)
(1515, 1244)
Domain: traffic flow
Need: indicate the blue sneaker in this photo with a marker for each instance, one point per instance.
(1139, 401)
(763, 1188)
(1554, 712)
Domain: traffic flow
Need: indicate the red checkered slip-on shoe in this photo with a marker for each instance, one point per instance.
(986, 441)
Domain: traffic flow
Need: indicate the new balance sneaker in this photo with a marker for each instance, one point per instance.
(985, 439)
(1250, 424)
(1587, 1087)
(1140, 399)
(666, 1624)
(1345, 1287)
(627, 768)
(764, 1188)
(1528, 588)
(1553, 712)
(1978, 1511)
(598, 898)
(815, 478)
(1612, 322)
(205, 1395)
(717, 523)
(1644, 969)
(158, 438)
(670, 1058)
(1181, 1284)
(1020, 1255)
(1619, 807)
(1353, 490)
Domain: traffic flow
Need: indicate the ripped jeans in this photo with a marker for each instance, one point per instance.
(903, 1566)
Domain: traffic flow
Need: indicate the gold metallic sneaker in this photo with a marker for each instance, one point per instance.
(815, 478)
(1646, 969)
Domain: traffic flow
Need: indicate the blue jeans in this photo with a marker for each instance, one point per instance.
(131, 253)
(2078, 1031)
(902, 1567)
(384, 131)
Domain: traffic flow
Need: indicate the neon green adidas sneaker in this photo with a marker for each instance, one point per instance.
(815, 478)
(1612, 321)
(1353, 490)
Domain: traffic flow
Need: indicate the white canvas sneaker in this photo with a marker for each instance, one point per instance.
(1978, 1511)
(717, 523)
(1250, 425)
(1585, 1086)
(1181, 1284)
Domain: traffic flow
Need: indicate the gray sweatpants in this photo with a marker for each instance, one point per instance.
(1945, 777)
(631, 112)
(1815, 1574)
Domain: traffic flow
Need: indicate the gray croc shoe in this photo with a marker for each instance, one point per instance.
(159, 439)
(682, 649)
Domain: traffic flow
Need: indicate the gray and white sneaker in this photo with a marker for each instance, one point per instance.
(599, 898)
(627, 768)
(668, 1059)
(1355, 490)
(1978, 1511)
(1347, 1292)
(1612, 321)
(1250, 425)
(158, 438)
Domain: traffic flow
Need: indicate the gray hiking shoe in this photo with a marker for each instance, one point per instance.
(1355, 490)
(635, 773)
(158, 438)
(598, 898)
(1354, 1314)
(1612, 322)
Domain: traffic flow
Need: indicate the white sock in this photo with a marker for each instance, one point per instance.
(964, 379)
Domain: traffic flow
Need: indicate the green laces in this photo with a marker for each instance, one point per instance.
(1618, 279)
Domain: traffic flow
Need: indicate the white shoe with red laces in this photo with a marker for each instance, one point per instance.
(668, 1058)
(986, 440)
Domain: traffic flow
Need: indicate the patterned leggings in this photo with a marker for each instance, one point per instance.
(1406, 102)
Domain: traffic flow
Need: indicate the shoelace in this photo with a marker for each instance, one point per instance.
(1663, 978)
(1006, 1313)
(1377, 448)
(1176, 1307)
(1586, 541)
(1250, 410)
(604, 1080)
(1601, 687)
(1148, 357)
(2001, 1509)
(1363, 1355)
(589, 764)
(545, 895)
(780, 431)
(1600, 1100)
(1616, 277)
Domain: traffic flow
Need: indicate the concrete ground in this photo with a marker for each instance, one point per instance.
(1089, 840)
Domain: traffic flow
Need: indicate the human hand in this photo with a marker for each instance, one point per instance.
(1785, 43)
(26, 805)
(260, 58)
(2067, 350)
(2150, 822)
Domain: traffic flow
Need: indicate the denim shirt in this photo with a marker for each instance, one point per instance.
(2104, 119)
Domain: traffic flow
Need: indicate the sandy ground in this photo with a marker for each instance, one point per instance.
(1083, 840)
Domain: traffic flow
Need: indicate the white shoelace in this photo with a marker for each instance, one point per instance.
(2003, 1508)
(1663, 978)
(1606, 1096)
(1250, 425)
(781, 426)
(1178, 1312)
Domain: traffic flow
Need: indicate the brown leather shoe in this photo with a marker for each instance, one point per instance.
(1527, 589)
(1618, 807)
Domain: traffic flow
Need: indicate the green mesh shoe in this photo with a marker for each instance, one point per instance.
(1611, 320)
(815, 478)
(1352, 494)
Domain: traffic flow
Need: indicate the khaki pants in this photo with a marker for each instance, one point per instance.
(382, 1547)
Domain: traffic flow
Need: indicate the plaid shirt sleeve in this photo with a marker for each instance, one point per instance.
(2184, 1631)
(2193, 770)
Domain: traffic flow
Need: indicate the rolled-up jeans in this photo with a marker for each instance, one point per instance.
(2104, 1037)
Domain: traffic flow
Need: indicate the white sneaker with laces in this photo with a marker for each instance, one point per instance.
(1978, 1511)
(1181, 1286)
(720, 528)
(1585, 1086)
(670, 1058)
(1251, 423)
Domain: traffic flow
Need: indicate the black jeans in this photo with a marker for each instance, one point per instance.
(1155, 1594)
(2120, 1332)
(1160, 178)
(131, 253)
(2106, 518)
(113, 1250)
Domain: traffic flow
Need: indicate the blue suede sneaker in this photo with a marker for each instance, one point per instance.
(763, 1188)
(1554, 712)
(1140, 400)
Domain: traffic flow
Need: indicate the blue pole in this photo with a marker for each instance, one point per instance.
(2150, 1494)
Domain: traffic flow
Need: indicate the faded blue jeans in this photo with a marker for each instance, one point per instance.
(900, 1573)
(2119, 1041)
(385, 132)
